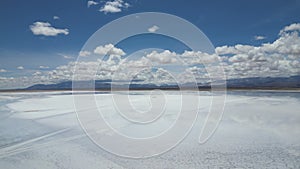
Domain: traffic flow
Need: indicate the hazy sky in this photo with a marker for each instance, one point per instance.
(39, 36)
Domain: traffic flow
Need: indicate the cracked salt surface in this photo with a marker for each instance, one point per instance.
(258, 130)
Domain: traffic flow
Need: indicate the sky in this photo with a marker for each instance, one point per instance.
(41, 40)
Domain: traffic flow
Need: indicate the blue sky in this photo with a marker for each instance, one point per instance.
(228, 22)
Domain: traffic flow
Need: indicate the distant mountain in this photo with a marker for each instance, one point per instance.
(254, 82)
(265, 82)
(100, 84)
(59, 86)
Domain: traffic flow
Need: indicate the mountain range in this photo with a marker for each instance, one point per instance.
(247, 83)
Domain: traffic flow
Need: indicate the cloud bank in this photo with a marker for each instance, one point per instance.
(280, 58)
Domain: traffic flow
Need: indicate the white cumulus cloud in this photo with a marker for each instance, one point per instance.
(114, 6)
(110, 50)
(292, 27)
(153, 29)
(45, 29)
(278, 58)
(84, 53)
(56, 17)
(197, 57)
(164, 57)
(44, 67)
(66, 56)
(259, 37)
(3, 70)
(20, 67)
(37, 73)
(90, 3)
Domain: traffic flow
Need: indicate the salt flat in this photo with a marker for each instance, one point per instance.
(259, 129)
